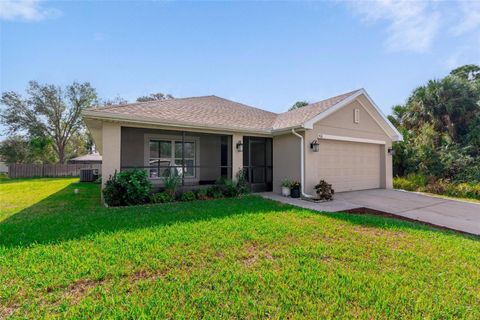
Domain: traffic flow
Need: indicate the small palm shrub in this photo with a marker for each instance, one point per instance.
(129, 187)
(170, 184)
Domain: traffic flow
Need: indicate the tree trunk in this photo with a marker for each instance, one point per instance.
(61, 154)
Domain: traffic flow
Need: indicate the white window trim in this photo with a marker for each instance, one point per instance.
(146, 152)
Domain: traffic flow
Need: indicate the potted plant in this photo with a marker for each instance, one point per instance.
(295, 189)
(286, 187)
(324, 190)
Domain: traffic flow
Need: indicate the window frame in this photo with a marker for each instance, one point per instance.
(173, 139)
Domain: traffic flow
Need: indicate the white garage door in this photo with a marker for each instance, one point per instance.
(350, 165)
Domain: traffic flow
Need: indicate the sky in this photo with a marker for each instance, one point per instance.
(265, 54)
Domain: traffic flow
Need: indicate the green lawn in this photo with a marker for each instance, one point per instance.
(64, 255)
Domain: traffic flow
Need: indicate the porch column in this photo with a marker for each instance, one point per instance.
(237, 157)
(111, 141)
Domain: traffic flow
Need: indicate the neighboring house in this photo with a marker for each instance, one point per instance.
(92, 158)
(345, 140)
(3, 167)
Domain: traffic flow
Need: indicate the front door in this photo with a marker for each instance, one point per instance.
(257, 163)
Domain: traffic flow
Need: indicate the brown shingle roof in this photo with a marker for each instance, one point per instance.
(299, 116)
(204, 111)
(216, 112)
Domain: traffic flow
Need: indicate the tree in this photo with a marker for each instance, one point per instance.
(440, 123)
(155, 97)
(450, 104)
(15, 149)
(470, 72)
(298, 105)
(115, 101)
(48, 112)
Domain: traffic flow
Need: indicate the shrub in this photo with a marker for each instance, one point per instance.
(469, 190)
(242, 183)
(188, 196)
(215, 191)
(295, 185)
(324, 190)
(162, 197)
(404, 184)
(201, 194)
(128, 187)
(412, 182)
(229, 188)
(464, 190)
(286, 183)
(170, 184)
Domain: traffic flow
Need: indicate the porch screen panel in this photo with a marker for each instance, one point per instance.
(166, 158)
(160, 157)
(189, 157)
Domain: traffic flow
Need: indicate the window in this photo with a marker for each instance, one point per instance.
(166, 156)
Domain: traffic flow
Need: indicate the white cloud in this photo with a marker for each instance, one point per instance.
(470, 17)
(25, 10)
(412, 25)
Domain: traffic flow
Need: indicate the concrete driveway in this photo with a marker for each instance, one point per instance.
(453, 214)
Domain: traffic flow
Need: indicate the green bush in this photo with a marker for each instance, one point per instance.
(188, 196)
(464, 190)
(230, 188)
(412, 182)
(170, 184)
(127, 188)
(468, 190)
(215, 191)
(201, 194)
(162, 197)
(242, 183)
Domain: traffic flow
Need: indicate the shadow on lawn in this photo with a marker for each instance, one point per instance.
(66, 216)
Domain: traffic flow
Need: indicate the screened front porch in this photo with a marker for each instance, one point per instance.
(196, 158)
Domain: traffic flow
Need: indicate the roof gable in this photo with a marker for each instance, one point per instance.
(299, 116)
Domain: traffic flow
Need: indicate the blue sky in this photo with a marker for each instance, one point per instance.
(266, 54)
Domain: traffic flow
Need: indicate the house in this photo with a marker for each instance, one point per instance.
(91, 158)
(345, 140)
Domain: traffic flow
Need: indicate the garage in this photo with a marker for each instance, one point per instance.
(350, 165)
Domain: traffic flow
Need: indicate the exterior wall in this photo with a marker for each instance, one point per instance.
(133, 149)
(341, 123)
(286, 159)
(111, 137)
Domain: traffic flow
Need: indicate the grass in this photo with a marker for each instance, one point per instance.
(64, 255)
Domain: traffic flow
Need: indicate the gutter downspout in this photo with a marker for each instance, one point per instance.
(302, 166)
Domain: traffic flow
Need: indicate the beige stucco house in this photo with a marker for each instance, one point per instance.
(345, 140)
